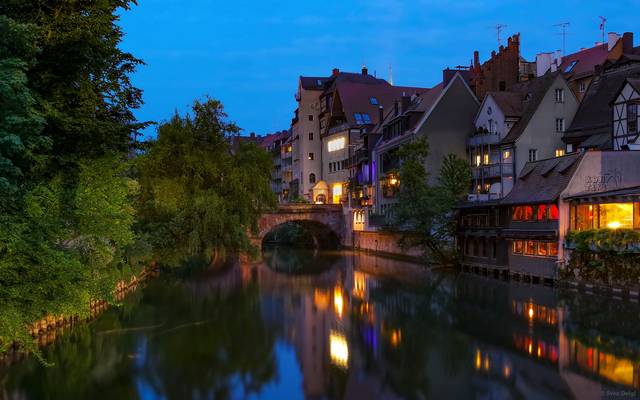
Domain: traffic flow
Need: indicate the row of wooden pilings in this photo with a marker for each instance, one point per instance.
(45, 331)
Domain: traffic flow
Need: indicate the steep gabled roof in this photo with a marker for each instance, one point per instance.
(532, 92)
(510, 103)
(594, 114)
(544, 180)
(585, 61)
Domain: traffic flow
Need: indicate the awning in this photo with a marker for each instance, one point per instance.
(624, 195)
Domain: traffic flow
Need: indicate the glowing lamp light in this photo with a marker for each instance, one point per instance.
(614, 225)
(393, 181)
(338, 349)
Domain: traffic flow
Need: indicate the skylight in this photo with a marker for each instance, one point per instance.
(362, 118)
(373, 101)
(569, 67)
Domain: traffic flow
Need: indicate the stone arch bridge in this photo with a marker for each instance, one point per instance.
(327, 217)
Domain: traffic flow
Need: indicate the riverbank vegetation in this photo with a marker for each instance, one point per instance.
(78, 210)
(425, 210)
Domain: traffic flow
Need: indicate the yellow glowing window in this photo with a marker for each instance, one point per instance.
(559, 152)
(337, 193)
(486, 159)
(616, 215)
(506, 154)
(478, 159)
(336, 144)
(616, 369)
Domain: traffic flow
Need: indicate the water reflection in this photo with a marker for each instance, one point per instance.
(357, 327)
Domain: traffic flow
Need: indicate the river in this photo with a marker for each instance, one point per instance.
(343, 325)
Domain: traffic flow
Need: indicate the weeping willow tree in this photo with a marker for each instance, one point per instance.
(198, 193)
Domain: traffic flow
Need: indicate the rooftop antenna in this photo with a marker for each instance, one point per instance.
(498, 28)
(603, 21)
(391, 74)
(563, 27)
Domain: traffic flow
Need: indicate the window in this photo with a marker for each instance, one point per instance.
(486, 159)
(530, 248)
(616, 215)
(582, 87)
(373, 101)
(569, 148)
(518, 246)
(533, 155)
(559, 152)
(559, 95)
(583, 216)
(553, 249)
(312, 178)
(553, 212)
(310, 156)
(569, 67)
(478, 160)
(310, 135)
(336, 144)
(559, 124)
(502, 86)
(518, 213)
(487, 187)
(506, 154)
(541, 213)
(362, 118)
(310, 117)
(528, 213)
(542, 249)
(632, 118)
(330, 167)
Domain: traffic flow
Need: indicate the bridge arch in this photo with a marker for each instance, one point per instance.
(325, 216)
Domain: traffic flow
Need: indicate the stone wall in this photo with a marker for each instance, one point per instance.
(382, 242)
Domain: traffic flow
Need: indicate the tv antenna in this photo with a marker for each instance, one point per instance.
(563, 27)
(498, 28)
(391, 74)
(603, 21)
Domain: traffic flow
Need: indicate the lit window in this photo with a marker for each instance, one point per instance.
(487, 187)
(336, 144)
(559, 124)
(506, 154)
(616, 215)
(541, 213)
(553, 212)
(559, 152)
(530, 248)
(486, 159)
(533, 155)
(518, 246)
(310, 156)
(478, 160)
(553, 249)
(337, 193)
(559, 95)
(542, 249)
(518, 213)
(528, 213)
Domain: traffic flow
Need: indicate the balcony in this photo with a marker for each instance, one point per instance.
(480, 197)
(491, 171)
(484, 139)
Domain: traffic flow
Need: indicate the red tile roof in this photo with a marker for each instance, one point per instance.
(586, 61)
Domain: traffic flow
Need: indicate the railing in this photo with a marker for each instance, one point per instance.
(483, 196)
(478, 140)
(491, 170)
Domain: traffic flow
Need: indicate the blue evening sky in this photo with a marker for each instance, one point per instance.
(249, 54)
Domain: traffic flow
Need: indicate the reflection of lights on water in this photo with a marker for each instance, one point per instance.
(478, 359)
(506, 370)
(321, 299)
(486, 362)
(539, 351)
(530, 348)
(338, 301)
(338, 349)
(359, 284)
(396, 337)
(531, 312)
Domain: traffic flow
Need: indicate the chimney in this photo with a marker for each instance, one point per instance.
(627, 43)
(612, 39)
(476, 59)
(380, 114)
(335, 72)
(543, 63)
(405, 102)
(365, 71)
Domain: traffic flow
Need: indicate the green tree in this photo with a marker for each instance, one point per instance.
(197, 193)
(426, 212)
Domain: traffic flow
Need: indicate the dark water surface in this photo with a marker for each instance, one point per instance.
(341, 326)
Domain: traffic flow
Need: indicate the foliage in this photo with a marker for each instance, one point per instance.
(604, 255)
(197, 193)
(66, 121)
(425, 209)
